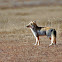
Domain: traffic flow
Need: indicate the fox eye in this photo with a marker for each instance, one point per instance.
(31, 23)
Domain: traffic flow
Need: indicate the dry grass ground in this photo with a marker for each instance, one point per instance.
(17, 42)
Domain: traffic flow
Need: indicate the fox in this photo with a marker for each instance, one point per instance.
(42, 31)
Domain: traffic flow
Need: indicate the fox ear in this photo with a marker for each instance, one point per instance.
(34, 21)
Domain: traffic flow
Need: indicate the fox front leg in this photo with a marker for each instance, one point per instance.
(37, 41)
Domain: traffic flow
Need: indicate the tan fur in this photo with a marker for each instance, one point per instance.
(46, 28)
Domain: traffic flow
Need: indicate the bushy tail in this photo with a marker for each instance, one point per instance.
(53, 36)
(54, 32)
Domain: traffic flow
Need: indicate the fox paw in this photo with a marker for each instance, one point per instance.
(35, 44)
(51, 44)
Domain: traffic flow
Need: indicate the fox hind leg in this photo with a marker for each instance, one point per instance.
(53, 37)
(53, 40)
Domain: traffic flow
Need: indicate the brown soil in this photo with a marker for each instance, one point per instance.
(12, 50)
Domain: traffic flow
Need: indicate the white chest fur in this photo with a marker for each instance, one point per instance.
(33, 32)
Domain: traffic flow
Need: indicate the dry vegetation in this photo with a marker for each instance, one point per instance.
(17, 42)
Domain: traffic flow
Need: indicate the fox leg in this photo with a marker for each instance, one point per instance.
(51, 41)
(54, 41)
(50, 38)
(37, 41)
(53, 37)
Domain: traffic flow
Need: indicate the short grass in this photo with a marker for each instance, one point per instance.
(17, 19)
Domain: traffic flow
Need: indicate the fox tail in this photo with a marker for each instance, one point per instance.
(53, 36)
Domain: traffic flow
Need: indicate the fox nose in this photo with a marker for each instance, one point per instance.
(27, 25)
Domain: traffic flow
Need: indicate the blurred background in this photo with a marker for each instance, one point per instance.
(20, 3)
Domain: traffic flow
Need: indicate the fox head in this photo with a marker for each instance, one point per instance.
(32, 24)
